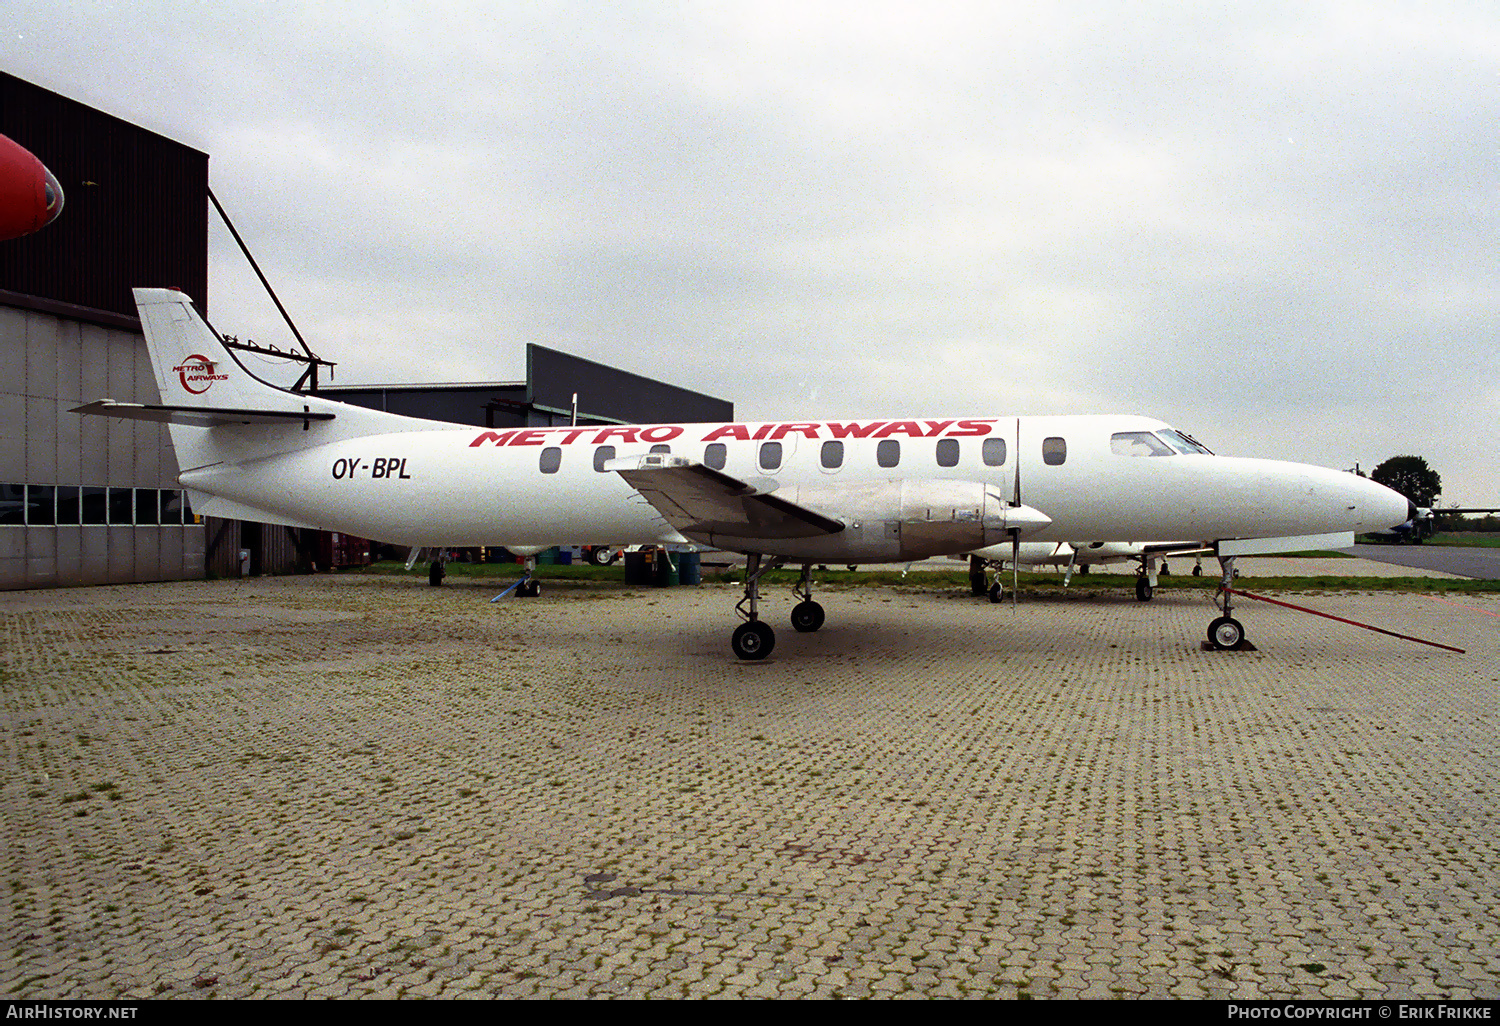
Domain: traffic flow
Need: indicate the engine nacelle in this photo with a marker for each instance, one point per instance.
(897, 521)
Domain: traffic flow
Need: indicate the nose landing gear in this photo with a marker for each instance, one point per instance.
(1225, 633)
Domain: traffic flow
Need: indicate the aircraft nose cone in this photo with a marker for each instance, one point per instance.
(52, 198)
(1381, 508)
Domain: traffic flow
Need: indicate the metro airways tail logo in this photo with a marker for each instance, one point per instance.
(197, 374)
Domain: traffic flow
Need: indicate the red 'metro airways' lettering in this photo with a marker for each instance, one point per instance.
(635, 433)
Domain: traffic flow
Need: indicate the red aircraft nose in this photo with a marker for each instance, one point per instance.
(30, 197)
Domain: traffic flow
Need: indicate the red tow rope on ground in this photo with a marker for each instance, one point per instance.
(1340, 619)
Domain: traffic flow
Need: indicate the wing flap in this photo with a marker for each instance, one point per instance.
(700, 501)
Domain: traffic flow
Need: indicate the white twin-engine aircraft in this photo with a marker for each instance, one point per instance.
(870, 491)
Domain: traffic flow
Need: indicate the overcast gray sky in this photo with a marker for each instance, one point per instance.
(1272, 224)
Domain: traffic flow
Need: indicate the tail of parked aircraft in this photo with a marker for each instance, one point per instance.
(203, 386)
(193, 368)
(217, 412)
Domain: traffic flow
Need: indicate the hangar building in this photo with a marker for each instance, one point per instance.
(93, 500)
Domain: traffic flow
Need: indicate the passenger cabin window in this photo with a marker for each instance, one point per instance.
(1054, 451)
(602, 454)
(661, 448)
(770, 455)
(832, 455)
(715, 455)
(993, 452)
(550, 459)
(947, 452)
(1138, 443)
(888, 453)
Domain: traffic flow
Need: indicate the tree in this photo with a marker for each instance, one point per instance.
(1412, 477)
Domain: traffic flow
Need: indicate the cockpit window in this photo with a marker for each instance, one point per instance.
(1138, 443)
(1185, 443)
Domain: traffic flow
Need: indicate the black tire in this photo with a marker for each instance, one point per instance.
(976, 576)
(531, 589)
(435, 572)
(1143, 590)
(996, 593)
(601, 556)
(1226, 633)
(753, 640)
(807, 616)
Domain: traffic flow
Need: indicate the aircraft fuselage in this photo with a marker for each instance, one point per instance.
(904, 489)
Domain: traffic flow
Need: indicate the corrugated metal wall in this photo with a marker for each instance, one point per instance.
(135, 207)
(135, 213)
(95, 491)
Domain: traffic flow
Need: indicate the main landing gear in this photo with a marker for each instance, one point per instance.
(1226, 633)
(807, 615)
(980, 584)
(754, 639)
(1145, 578)
(529, 586)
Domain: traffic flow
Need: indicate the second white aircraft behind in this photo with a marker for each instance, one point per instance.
(808, 492)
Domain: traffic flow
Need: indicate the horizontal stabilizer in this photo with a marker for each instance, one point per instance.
(198, 416)
(700, 501)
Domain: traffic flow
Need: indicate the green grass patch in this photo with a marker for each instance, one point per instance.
(923, 579)
(1466, 540)
(498, 571)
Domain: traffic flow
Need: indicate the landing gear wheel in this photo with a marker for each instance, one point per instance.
(1143, 590)
(530, 589)
(601, 556)
(1225, 633)
(996, 593)
(752, 640)
(435, 572)
(807, 616)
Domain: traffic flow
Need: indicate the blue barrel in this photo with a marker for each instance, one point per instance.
(690, 567)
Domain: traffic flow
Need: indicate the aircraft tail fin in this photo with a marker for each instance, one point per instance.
(193, 369)
(217, 411)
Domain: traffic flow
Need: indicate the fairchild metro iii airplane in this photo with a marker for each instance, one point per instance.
(806, 492)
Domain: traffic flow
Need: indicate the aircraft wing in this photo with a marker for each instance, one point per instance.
(698, 500)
